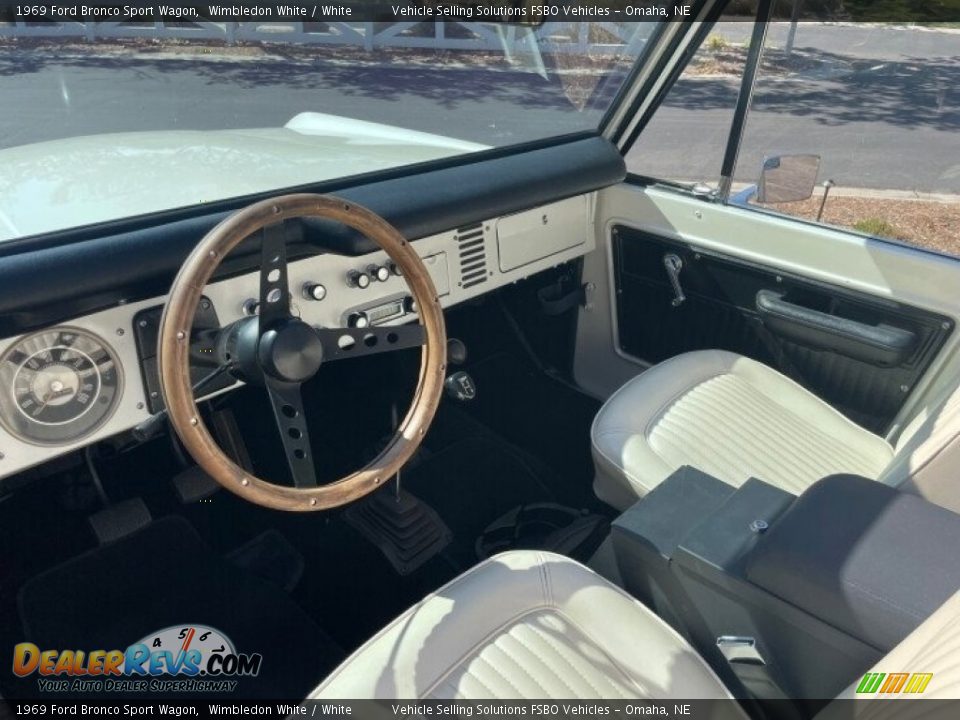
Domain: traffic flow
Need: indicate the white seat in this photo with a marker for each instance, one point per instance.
(734, 418)
(533, 625)
(525, 625)
(729, 416)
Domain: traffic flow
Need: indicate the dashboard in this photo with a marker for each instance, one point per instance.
(70, 385)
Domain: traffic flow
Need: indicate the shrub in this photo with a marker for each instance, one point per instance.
(878, 227)
(716, 43)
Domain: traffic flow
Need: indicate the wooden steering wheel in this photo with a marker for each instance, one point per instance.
(279, 351)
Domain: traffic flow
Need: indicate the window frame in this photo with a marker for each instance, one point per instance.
(713, 13)
(722, 194)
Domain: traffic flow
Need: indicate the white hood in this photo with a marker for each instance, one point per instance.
(79, 181)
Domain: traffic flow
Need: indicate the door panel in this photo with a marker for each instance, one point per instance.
(858, 353)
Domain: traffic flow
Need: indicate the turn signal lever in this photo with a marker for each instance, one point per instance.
(151, 427)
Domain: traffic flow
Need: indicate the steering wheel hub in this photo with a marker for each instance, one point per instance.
(291, 351)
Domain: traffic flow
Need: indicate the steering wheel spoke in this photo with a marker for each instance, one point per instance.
(274, 291)
(287, 404)
(343, 343)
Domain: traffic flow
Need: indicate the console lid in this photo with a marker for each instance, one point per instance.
(861, 556)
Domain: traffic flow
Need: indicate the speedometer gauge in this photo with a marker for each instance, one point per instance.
(58, 386)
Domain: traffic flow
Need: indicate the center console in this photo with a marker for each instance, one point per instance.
(797, 596)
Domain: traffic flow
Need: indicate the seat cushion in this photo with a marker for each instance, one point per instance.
(730, 417)
(927, 460)
(924, 665)
(525, 625)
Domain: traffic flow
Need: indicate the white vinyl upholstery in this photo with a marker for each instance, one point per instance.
(927, 459)
(934, 648)
(730, 417)
(533, 625)
(525, 625)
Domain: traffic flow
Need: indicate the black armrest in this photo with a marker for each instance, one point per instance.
(881, 344)
(661, 520)
(861, 556)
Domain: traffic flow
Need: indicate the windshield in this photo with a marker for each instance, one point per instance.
(106, 123)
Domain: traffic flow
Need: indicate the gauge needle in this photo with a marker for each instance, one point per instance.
(52, 395)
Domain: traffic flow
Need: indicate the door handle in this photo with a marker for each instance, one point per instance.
(674, 265)
(881, 344)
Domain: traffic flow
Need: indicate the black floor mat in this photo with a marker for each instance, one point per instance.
(469, 480)
(165, 576)
(520, 400)
(349, 586)
(472, 481)
(541, 415)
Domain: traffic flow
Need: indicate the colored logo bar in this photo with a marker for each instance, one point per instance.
(894, 683)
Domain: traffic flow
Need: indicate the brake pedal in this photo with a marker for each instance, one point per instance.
(120, 519)
(193, 485)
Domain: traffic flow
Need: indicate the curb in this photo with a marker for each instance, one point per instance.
(872, 193)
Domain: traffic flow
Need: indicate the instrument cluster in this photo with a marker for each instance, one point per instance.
(59, 385)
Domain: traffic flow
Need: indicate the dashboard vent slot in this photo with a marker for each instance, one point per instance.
(473, 256)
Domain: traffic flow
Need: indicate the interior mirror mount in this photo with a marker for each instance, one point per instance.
(787, 178)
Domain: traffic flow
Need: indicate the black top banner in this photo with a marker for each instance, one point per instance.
(679, 709)
(525, 12)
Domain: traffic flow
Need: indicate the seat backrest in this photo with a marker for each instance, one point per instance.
(927, 455)
(933, 650)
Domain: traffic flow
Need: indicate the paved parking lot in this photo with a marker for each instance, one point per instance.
(904, 103)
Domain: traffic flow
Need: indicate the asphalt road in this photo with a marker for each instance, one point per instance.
(865, 40)
(882, 108)
(48, 97)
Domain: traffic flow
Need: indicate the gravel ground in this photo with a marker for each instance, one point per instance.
(729, 60)
(926, 223)
(290, 52)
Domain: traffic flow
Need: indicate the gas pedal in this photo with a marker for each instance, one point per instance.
(119, 520)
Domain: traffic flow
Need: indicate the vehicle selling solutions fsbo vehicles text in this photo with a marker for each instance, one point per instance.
(539, 11)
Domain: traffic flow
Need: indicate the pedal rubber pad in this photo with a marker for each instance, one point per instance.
(271, 556)
(193, 485)
(119, 520)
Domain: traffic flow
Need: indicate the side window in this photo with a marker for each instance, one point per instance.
(869, 115)
(685, 139)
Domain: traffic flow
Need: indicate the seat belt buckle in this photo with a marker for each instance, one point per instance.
(740, 649)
